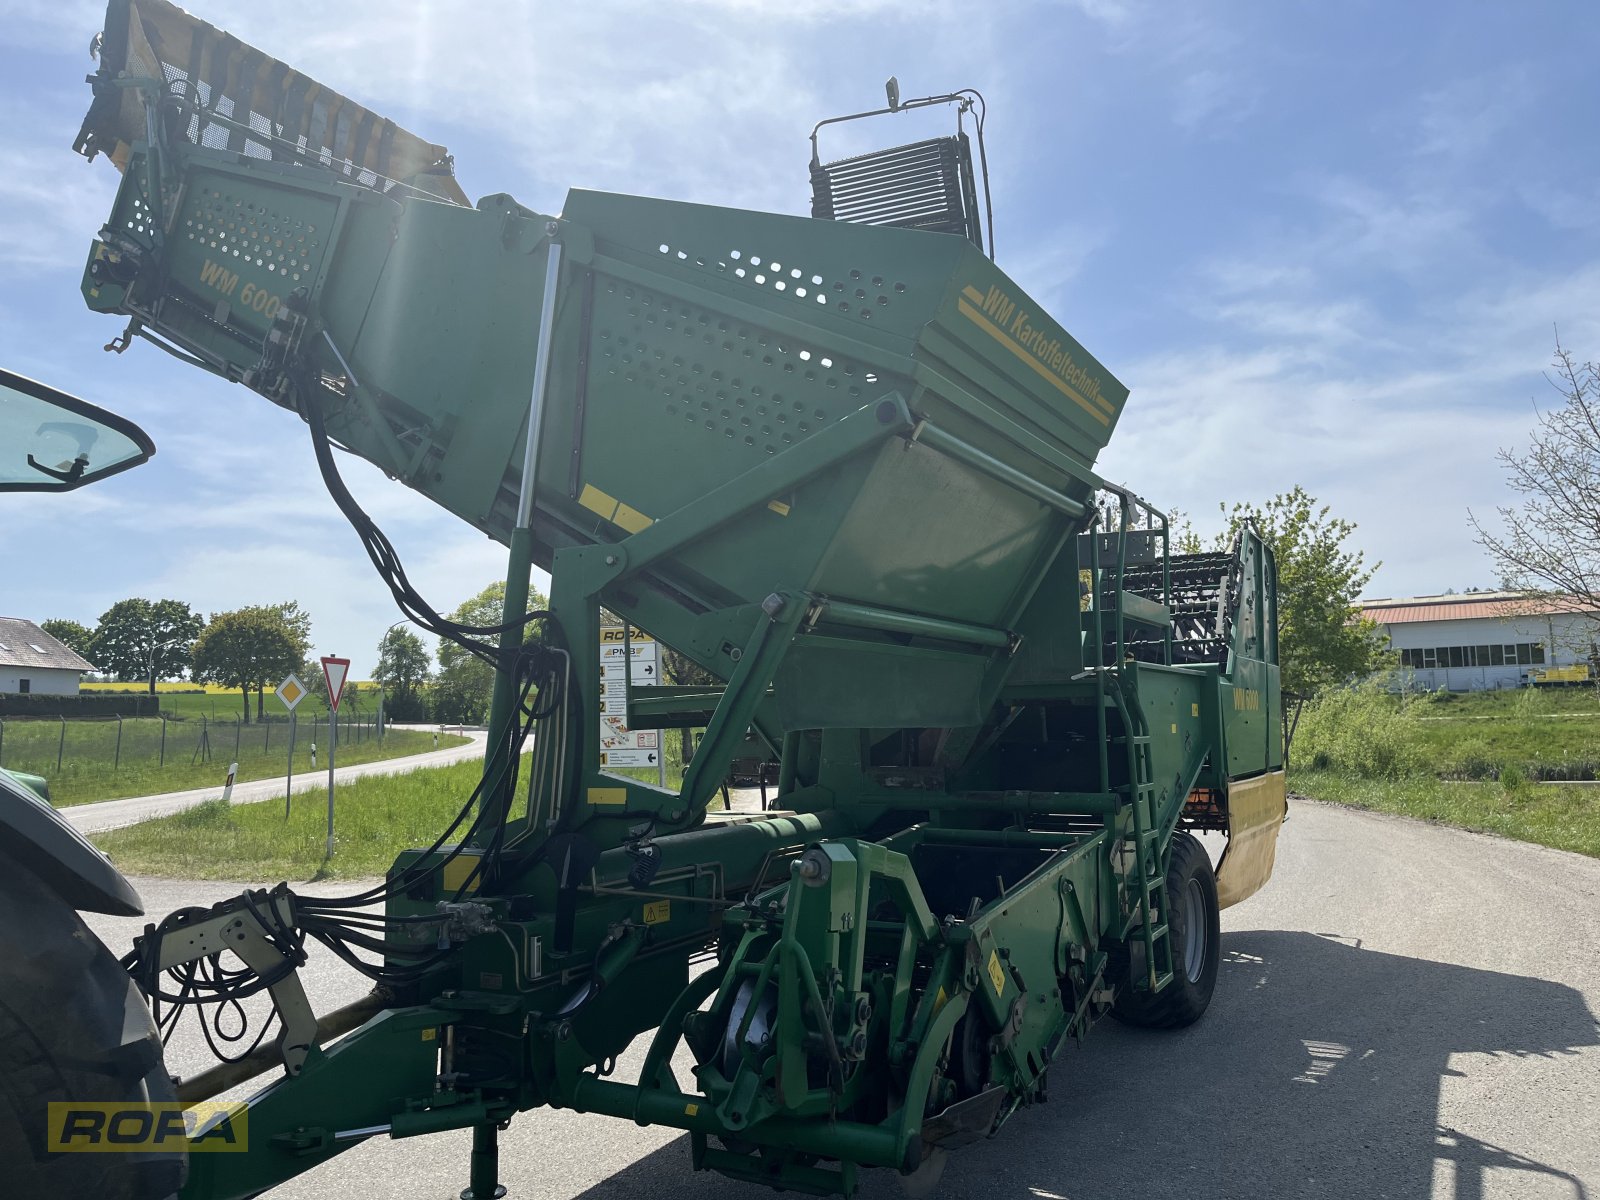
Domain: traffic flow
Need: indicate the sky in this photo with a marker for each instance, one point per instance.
(1323, 244)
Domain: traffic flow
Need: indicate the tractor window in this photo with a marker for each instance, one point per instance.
(53, 442)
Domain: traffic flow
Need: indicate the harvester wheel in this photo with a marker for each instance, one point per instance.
(1195, 933)
(72, 1028)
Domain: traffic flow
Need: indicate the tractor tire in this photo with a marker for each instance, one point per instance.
(72, 1028)
(1195, 934)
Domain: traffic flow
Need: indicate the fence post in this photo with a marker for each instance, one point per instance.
(288, 785)
(61, 747)
(238, 728)
(267, 745)
(163, 761)
(116, 758)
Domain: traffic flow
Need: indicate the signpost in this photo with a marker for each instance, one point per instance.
(628, 657)
(291, 691)
(334, 671)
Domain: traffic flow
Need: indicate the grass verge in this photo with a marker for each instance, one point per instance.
(1561, 816)
(89, 777)
(374, 819)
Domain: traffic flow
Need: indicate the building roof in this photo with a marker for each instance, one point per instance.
(1464, 606)
(24, 644)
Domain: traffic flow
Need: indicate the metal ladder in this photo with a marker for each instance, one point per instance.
(1150, 919)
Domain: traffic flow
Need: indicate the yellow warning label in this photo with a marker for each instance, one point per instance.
(657, 911)
(608, 796)
(597, 501)
(456, 871)
(631, 519)
(691, 1110)
(429, 1034)
(1174, 727)
(997, 975)
(1194, 710)
(940, 1000)
(779, 507)
(612, 509)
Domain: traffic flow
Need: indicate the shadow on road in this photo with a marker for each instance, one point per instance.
(1316, 1073)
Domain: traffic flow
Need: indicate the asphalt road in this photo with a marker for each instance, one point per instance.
(1405, 1011)
(113, 814)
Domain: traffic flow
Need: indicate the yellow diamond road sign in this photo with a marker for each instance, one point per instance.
(291, 691)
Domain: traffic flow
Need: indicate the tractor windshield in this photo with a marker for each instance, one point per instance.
(53, 442)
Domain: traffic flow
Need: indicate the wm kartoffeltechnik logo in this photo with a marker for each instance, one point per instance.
(95, 1128)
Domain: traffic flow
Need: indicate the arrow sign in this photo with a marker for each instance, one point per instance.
(334, 671)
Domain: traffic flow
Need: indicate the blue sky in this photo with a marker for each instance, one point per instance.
(1323, 244)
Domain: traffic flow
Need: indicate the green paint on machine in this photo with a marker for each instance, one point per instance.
(845, 469)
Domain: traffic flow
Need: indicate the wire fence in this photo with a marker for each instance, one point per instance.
(50, 747)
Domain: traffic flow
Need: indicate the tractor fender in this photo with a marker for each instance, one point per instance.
(41, 839)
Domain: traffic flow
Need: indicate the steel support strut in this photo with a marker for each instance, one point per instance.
(484, 1178)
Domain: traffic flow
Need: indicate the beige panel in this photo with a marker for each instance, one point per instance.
(1256, 808)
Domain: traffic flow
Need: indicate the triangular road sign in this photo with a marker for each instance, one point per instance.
(335, 670)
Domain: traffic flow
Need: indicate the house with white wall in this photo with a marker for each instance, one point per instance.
(1477, 640)
(33, 662)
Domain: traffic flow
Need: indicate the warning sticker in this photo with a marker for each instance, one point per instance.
(997, 975)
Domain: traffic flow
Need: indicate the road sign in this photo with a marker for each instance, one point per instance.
(335, 670)
(635, 662)
(615, 735)
(291, 691)
(629, 758)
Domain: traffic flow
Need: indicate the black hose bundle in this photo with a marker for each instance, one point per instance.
(218, 991)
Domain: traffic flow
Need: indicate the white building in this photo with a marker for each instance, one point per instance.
(1477, 640)
(31, 661)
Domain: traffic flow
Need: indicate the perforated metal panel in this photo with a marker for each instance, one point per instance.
(251, 233)
(730, 378)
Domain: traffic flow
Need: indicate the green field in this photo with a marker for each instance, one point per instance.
(375, 818)
(214, 705)
(1561, 816)
(1491, 761)
(84, 762)
(1363, 748)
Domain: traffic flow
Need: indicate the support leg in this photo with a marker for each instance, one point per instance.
(484, 1176)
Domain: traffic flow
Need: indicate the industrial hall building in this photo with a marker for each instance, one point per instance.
(1475, 640)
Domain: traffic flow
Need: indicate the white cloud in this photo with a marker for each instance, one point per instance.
(51, 204)
(1462, 119)
(1398, 435)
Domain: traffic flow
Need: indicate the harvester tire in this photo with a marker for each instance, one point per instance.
(71, 1029)
(1195, 934)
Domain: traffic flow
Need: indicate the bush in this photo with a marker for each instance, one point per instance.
(409, 707)
(1364, 731)
(1473, 760)
(85, 704)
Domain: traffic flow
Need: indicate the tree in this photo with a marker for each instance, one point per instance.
(144, 639)
(1550, 547)
(1322, 638)
(244, 647)
(464, 685)
(297, 624)
(404, 665)
(75, 637)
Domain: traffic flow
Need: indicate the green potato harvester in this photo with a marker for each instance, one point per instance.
(845, 468)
